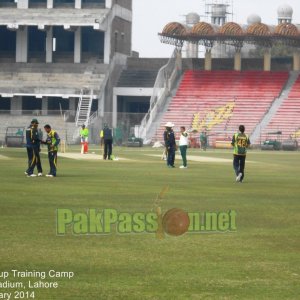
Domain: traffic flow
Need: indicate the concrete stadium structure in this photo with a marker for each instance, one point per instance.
(70, 62)
(261, 94)
(61, 57)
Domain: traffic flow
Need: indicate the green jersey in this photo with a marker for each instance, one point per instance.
(203, 137)
(52, 141)
(240, 143)
(84, 132)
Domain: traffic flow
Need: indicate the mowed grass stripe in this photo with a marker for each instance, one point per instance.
(259, 261)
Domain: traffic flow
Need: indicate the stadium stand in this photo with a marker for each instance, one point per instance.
(219, 101)
(56, 78)
(140, 72)
(59, 60)
(287, 118)
(137, 78)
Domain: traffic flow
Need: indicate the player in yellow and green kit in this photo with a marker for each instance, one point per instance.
(240, 142)
(52, 142)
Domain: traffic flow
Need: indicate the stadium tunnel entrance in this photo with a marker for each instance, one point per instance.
(130, 111)
(130, 101)
(133, 104)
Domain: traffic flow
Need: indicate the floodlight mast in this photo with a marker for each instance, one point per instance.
(218, 10)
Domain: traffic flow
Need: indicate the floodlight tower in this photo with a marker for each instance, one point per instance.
(192, 49)
(217, 11)
(285, 14)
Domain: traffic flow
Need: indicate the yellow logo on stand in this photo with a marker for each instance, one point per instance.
(296, 134)
(214, 117)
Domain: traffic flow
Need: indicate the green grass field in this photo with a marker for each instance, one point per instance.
(261, 260)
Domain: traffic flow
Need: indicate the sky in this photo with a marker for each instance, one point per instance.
(150, 17)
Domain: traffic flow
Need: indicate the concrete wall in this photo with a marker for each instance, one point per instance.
(277, 64)
(135, 63)
(124, 3)
(111, 83)
(121, 36)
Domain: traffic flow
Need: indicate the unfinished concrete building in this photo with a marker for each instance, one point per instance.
(61, 58)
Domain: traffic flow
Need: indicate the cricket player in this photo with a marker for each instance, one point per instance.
(203, 140)
(84, 136)
(33, 146)
(106, 136)
(240, 142)
(170, 144)
(52, 141)
(183, 145)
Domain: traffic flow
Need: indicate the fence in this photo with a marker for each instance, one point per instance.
(127, 124)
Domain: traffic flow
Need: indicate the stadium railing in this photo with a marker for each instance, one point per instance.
(165, 81)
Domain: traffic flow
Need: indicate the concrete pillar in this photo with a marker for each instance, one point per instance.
(296, 61)
(267, 60)
(207, 63)
(77, 46)
(115, 111)
(49, 45)
(22, 44)
(237, 61)
(72, 102)
(22, 3)
(179, 60)
(78, 4)
(16, 106)
(44, 106)
(101, 105)
(50, 3)
(108, 3)
(191, 50)
(107, 45)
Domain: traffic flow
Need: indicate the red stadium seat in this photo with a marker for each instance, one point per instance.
(203, 92)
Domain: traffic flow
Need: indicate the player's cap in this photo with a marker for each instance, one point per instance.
(169, 124)
(34, 121)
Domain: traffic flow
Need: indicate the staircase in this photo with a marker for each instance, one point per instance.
(84, 107)
(254, 138)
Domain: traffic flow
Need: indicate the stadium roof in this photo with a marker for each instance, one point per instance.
(231, 33)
